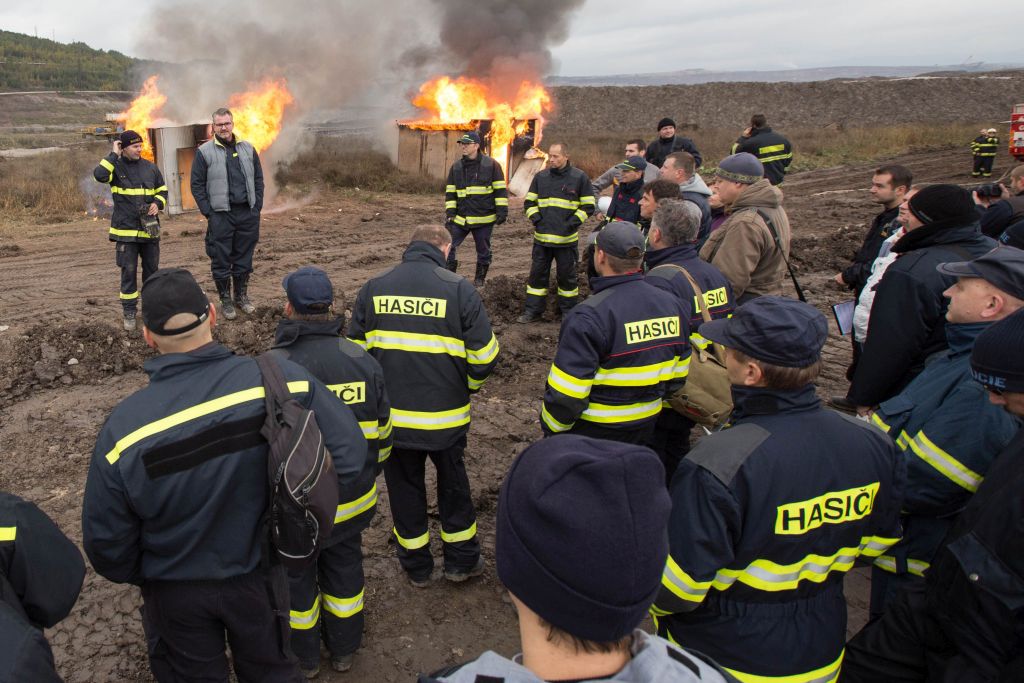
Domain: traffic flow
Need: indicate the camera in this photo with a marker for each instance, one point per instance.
(989, 190)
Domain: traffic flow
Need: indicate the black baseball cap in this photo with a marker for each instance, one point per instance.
(622, 239)
(772, 329)
(1003, 268)
(469, 138)
(632, 164)
(168, 292)
(309, 290)
(996, 361)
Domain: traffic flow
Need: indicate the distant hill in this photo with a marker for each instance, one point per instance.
(28, 63)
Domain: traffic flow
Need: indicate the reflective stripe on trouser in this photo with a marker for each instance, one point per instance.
(983, 165)
(127, 258)
(798, 641)
(565, 259)
(481, 239)
(404, 472)
(231, 238)
(327, 599)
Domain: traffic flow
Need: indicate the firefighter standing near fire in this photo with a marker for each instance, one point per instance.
(984, 147)
(475, 200)
(560, 200)
(227, 184)
(769, 514)
(139, 192)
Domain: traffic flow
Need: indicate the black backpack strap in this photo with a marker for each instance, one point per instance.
(778, 245)
(274, 384)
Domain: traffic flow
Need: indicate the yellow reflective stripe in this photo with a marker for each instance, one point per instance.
(480, 220)
(383, 454)
(370, 430)
(698, 341)
(530, 196)
(555, 239)
(903, 441)
(458, 536)
(588, 200)
(442, 419)
(915, 567)
(343, 608)
(449, 188)
(160, 198)
(347, 511)
(536, 291)
(474, 189)
(531, 211)
(657, 612)
(133, 295)
(681, 370)
(485, 355)
(879, 422)
(459, 220)
(564, 383)
(499, 185)
(194, 413)
(946, 464)
(581, 214)
(769, 149)
(568, 292)
(307, 619)
(8, 533)
(385, 429)
(777, 157)
(415, 342)
(107, 165)
(134, 191)
(558, 203)
(826, 674)
(553, 424)
(451, 204)
(682, 585)
(474, 384)
(501, 201)
(636, 376)
(118, 232)
(609, 414)
(412, 543)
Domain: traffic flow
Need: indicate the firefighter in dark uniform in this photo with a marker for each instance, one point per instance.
(41, 574)
(964, 622)
(984, 148)
(769, 514)
(560, 200)
(772, 149)
(672, 249)
(328, 597)
(620, 353)
(227, 184)
(177, 493)
(628, 191)
(139, 192)
(428, 329)
(475, 200)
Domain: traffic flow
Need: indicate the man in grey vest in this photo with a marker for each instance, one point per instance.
(227, 184)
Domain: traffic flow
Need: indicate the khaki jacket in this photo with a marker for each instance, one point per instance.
(743, 247)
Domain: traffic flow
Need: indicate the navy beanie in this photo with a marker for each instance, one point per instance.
(582, 533)
(742, 167)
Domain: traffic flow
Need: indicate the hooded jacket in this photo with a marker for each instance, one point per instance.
(696, 190)
(743, 248)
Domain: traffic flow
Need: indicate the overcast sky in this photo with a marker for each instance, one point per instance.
(635, 36)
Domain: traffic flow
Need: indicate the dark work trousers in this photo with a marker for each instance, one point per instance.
(327, 603)
(186, 623)
(638, 434)
(671, 440)
(231, 238)
(404, 473)
(983, 166)
(565, 259)
(481, 238)
(126, 256)
(885, 586)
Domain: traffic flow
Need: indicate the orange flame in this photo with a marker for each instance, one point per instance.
(460, 101)
(142, 113)
(259, 112)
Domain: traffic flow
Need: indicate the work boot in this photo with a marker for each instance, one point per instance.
(458, 576)
(309, 671)
(129, 321)
(241, 283)
(528, 317)
(481, 274)
(227, 307)
(453, 266)
(343, 663)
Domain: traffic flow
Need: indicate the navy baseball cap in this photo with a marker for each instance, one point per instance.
(1013, 236)
(309, 290)
(622, 239)
(169, 292)
(772, 329)
(1003, 268)
(632, 164)
(469, 138)
(996, 361)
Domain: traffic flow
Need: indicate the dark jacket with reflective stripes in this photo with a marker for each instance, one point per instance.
(882, 227)
(625, 204)
(476, 193)
(352, 375)
(177, 486)
(558, 203)
(949, 433)
(773, 150)
(41, 574)
(134, 185)
(908, 317)
(767, 517)
(620, 353)
(715, 286)
(428, 329)
(661, 148)
(975, 584)
(985, 146)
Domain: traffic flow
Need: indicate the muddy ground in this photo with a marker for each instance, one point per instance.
(65, 362)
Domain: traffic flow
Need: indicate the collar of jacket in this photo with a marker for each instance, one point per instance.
(758, 131)
(695, 184)
(561, 171)
(605, 282)
(630, 188)
(939, 232)
(887, 216)
(760, 195)
(466, 161)
(961, 336)
(225, 145)
(289, 331)
(750, 401)
(423, 251)
(171, 363)
(680, 252)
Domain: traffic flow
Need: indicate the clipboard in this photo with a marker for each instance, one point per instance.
(843, 312)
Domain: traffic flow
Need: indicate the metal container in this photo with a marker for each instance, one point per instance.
(174, 149)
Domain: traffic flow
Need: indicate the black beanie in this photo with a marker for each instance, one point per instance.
(996, 361)
(943, 204)
(666, 122)
(130, 137)
(582, 535)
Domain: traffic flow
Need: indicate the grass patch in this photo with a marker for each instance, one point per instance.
(344, 162)
(47, 187)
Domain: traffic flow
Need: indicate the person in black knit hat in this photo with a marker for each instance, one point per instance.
(669, 142)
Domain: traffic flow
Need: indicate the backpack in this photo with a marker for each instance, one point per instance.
(303, 496)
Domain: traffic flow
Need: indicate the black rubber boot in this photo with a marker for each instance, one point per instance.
(227, 307)
(241, 283)
(481, 274)
(453, 266)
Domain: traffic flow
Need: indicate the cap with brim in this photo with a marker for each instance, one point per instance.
(469, 138)
(772, 329)
(309, 290)
(621, 239)
(632, 164)
(1003, 268)
(996, 361)
(169, 292)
